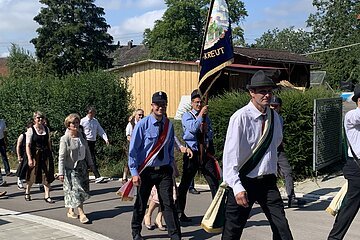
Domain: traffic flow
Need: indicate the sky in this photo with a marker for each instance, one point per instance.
(129, 18)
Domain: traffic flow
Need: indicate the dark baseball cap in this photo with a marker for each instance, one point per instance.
(159, 97)
(195, 94)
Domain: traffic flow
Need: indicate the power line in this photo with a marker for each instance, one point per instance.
(331, 49)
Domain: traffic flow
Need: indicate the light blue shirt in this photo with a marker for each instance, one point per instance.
(191, 126)
(143, 138)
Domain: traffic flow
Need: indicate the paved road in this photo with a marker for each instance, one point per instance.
(111, 218)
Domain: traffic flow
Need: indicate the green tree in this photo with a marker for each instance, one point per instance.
(72, 36)
(178, 35)
(334, 25)
(22, 63)
(290, 39)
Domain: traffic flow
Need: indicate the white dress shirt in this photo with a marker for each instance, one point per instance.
(243, 134)
(352, 130)
(129, 128)
(92, 128)
(2, 128)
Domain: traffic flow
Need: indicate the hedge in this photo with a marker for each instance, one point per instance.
(58, 97)
(297, 112)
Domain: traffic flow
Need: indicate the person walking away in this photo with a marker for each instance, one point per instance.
(151, 157)
(74, 159)
(21, 154)
(250, 163)
(196, 125)
(92, 128)
(351, 202)
(284, 167)
(3, 135)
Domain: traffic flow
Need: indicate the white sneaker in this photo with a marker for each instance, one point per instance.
(20, 185)
(100, 180)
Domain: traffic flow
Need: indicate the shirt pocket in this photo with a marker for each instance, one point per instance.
(151, 136)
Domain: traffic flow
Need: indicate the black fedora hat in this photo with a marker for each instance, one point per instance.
(356, 93)
(260, 80)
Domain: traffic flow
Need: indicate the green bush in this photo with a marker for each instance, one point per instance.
(56, 98)
(297, 112)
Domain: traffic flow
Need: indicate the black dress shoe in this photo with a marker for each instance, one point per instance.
(138, 237)
(193, 191)
(184, 218)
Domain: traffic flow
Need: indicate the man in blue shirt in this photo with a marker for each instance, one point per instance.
(196, 127)
(144, 150)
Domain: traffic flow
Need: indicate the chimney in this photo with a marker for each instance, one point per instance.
(130, 44)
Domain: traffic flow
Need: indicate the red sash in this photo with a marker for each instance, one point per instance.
(157, 147)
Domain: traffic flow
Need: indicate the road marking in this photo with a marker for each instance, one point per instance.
(80, 232)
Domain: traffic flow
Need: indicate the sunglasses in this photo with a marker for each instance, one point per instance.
(264, 92)
(40, 117)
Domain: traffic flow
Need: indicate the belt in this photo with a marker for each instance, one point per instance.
(158, 167)
(264, 176)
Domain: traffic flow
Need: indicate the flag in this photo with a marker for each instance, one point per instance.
(217, 50)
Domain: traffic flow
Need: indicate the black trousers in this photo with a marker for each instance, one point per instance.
(162, 179)
(4, 156)
(190, 167)
(266, 193)
(94, 169)
(350, 205)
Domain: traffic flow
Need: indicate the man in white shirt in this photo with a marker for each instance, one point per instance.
(351, 202)
(92, 128)
(252, 177)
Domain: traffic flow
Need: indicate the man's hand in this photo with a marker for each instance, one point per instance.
(31, 163)
(107, 142)
(204, 110)
(242, 199)
(136, 180)
(61, 178)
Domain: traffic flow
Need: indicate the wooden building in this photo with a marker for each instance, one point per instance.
(178, 78)
(146, 77)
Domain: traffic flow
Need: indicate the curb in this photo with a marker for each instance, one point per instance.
(73, 230)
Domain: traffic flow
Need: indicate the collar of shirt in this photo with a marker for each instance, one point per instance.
(154, 121)
(254, 111)
(196, 113)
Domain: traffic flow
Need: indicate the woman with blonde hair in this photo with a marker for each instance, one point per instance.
(38, 151)
(74, 159)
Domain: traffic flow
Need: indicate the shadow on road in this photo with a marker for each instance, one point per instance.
(110, 213)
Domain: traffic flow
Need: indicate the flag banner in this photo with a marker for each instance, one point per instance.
(337, 201)
(217, 49)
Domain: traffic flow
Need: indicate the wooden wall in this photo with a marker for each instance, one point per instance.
(176, 79)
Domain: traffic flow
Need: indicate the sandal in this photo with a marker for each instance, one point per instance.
(27, 197)
(84, 219)
(72, 215)
(48, 200)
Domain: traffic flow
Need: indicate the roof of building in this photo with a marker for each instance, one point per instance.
(152, 61)
(3, 67)
(130, 53)
(273, 55)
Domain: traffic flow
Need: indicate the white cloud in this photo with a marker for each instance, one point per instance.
(134, 27)
(4, 54)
